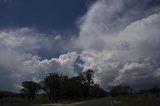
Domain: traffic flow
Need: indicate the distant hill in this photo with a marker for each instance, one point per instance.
(8, 94)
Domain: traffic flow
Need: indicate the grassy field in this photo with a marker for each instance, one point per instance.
(22, 102)
(137, 102)
(39, 101)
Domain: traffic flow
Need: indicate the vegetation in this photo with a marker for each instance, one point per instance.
(121, 101)
(58, 87)
(30, 88)
(87, 81)
(120, 90)
(124, 97)
(54, 88)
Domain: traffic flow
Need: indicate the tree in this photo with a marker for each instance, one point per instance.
(60, 87)
(155, 90)
(120, 90)
(30, 89)
(52, 85)
(1, 95)
(73, 88)
(87, 81)
(46, 89)
(97, 91)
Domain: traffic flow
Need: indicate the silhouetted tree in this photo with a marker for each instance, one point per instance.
(120, 90)
(96, 91)
(30, 88)
(155, 90)
(60, 87)
(87, 81)
(52, 85)
(74, 88)
(46, 89)
(1, 95)
(22, 95)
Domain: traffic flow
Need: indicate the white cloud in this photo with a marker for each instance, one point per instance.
(119, 40)
(19, 60)
(103, 64)
(24, 39)
(134, 73)
(157, 73)
(16, 67)
(64, 64)
(57, 37)
(112, 35)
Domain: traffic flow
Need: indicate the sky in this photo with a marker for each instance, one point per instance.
(118, 39)
(45, 15)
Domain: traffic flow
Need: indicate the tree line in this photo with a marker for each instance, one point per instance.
(125, 90)
(60, 87)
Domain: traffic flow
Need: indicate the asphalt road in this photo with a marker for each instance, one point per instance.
(98, 102)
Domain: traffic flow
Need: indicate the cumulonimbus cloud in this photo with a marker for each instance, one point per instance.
(19, 60)
(116, 35)
(118, 39)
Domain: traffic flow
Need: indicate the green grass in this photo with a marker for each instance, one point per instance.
(137, 102)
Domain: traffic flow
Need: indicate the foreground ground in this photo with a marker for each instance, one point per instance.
(137, 102)
(96, 102)
(118, 101)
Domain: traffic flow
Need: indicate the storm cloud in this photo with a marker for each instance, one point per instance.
(118, 39)
(19, 60)
(121, 40)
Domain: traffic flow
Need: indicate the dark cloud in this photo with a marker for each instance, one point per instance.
(118, 39)
(128, 31)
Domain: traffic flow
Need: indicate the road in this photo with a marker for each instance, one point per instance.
(98, 102)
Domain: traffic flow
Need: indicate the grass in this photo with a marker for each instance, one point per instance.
(121, 101)
(14, 101)
(17, 101)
